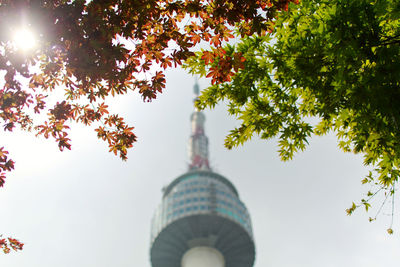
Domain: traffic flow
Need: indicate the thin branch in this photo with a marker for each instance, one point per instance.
(393, 189)
(380, 208)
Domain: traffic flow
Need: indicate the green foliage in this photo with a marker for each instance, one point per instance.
(92, 50)
(337, 61)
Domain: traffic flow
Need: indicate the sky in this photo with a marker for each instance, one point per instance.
(87, 208)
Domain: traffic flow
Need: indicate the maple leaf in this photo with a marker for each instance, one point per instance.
(215, 75)
(2, 179)
(208, 57)
(215, 40)
(61, 111)
(102, 109)
(196, 38)
(166, 62)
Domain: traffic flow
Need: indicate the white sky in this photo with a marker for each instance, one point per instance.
(86, 208)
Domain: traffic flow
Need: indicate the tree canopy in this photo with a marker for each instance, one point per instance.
(83, 52)
(328, 65)
(91, 50)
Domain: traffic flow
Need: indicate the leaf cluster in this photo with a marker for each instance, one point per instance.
(337, 62)
(88, 51)
(6, 244)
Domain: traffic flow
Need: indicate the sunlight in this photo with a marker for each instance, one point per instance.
(24, 39)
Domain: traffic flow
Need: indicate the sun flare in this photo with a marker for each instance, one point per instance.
(24, 39)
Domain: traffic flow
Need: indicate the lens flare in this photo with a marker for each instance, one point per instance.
(24, 39)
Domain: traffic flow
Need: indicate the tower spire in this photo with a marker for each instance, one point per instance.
(198, 141)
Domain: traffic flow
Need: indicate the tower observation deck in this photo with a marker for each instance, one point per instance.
(201, 221)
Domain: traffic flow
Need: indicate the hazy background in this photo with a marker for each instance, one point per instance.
(87, 208)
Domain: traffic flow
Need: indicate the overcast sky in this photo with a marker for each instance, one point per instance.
(87, 208)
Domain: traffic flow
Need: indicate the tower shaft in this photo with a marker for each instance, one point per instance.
(203, 257)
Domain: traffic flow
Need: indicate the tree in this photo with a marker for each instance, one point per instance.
(91, 50)
(87, 51)
(336, 62)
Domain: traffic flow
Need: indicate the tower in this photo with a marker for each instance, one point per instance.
(201, 221)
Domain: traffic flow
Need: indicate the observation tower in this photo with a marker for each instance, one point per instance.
(201, 221)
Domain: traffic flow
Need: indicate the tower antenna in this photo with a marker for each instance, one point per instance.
(198, 141)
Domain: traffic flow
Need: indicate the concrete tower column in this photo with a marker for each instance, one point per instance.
(203, 257)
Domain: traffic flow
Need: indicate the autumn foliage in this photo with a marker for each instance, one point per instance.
(6, 244)
(88, 51)
(91, 51)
